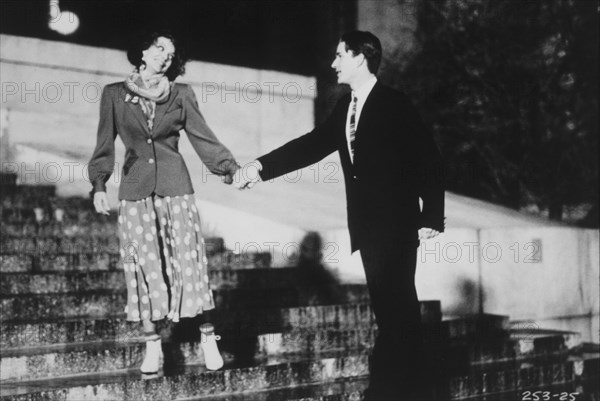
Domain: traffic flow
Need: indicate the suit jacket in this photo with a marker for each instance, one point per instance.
(396, 162)
(152, 162)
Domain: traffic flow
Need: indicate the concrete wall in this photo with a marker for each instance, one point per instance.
(561, 280)
(528, 273)
(51, 92)
(545, 276)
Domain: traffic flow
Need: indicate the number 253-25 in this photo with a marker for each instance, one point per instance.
(547, 396)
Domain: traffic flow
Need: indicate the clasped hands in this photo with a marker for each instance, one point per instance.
(246, 177)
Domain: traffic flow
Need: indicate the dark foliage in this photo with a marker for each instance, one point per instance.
(511, 91)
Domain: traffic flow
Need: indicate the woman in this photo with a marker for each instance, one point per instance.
(159, 225)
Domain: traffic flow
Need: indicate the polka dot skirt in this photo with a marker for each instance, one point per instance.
(164, 258)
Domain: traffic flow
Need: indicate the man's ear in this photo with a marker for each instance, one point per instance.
(361, 59)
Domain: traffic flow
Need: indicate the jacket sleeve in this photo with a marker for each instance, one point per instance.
(102, 163)
(430, 177)
(300, 152)
(211, 151)
(431, 188)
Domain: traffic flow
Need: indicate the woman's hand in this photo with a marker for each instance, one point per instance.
(101, 202)
(228, 167)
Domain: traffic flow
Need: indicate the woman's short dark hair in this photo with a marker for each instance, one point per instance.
(143, 40)
(365, 43)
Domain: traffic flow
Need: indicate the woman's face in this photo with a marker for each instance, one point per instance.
(159, 56)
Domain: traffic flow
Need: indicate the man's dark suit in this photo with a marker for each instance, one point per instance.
(396, 162)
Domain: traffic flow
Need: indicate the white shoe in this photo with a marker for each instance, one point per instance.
(208, 341)
(153, 357)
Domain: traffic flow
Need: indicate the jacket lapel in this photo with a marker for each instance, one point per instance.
(136, 110)
(368, 108)
(161, 109)
(341, 121)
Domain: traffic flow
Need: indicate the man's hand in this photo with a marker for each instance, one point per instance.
(101, 202)
(247, 176)
(427, 233)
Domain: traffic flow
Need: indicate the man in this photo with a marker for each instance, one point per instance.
(389, 160)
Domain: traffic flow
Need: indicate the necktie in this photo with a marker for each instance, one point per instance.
(352, 128)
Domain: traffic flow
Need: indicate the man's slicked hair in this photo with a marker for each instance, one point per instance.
(365, 43)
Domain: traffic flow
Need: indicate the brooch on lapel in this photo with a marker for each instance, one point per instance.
(132, 99)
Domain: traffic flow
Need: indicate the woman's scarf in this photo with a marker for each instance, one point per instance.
(154, 90)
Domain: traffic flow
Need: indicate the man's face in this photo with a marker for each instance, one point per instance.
(345, 64)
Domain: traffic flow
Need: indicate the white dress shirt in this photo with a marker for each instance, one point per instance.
(361, 95)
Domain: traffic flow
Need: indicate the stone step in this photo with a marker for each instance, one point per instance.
(104, 227)
(63, 282)
(76, 243)
(94, 357)
(71, 205)
(569, 390)
(55, 244)
(17, 363)
(340, 390)
(354, 392)
(20, 205)
(545, 375)
(93, 261)
(12, 263)
(463, 356)
(233, 260)
(28, 192)
(260, 377)
(53, 212)
(477, 326)
(235, 322)
(107, 302)
(7, 181)
(66, 242)
(252, 322)
(105, 356)
(194, 381)
(478, 353)
(58, 282)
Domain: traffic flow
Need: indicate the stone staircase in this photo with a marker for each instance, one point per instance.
(285, 336)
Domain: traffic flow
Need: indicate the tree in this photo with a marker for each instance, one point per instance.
(510, 89)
